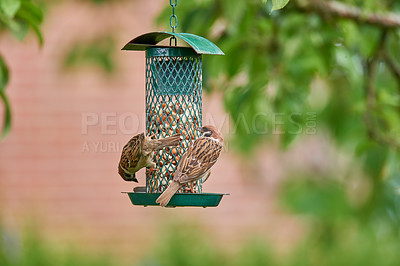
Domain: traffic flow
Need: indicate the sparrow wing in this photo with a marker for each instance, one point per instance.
(197, 160)
(132, 152)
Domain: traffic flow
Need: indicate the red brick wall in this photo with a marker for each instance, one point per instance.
(51, 171)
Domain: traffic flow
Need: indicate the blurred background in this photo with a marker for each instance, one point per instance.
(307, 97)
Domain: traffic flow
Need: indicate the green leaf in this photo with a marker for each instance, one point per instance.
(278, 4)
(7, 115)
(323, 200)
(10, 7)
(98, 52)
(18, 28)
(4, 77)
(38, 34)
(33, 17)
(27, 15)
(375, 160)
(30, 13)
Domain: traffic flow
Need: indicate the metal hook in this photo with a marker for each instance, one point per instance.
(170, 40)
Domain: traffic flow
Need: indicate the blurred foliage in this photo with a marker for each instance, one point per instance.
(340, 232)
(4, 77)
(284, 71)
(334, 242)
(277, 4)
(273, 61)
(302, 71)
(328, 243)
(183, 244)
(16, 17)
(100, 2)
(186, 243)
(31, 249)
(97, 52)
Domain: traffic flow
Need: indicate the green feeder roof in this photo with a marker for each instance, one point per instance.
(199, 44)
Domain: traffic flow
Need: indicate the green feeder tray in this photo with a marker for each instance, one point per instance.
(173, 100)
(178, 200)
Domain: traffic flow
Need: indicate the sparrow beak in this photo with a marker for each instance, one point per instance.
(200, 129)
(131, 177)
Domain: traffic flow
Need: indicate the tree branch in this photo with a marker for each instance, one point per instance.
(335, 8)
(370, 95)
(392, 66)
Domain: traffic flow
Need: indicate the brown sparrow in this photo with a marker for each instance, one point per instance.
(196, 162)
(138, 153)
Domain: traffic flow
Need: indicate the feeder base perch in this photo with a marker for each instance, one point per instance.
(178, 200)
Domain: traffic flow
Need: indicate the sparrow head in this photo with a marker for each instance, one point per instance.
(127, 176)
(210, 131)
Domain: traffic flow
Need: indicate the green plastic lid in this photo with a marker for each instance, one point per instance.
(199, 44)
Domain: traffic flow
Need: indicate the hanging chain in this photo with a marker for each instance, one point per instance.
(173, 20)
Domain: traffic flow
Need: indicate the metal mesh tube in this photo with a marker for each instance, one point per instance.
(173, 105)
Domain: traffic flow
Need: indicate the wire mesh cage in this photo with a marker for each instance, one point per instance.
(173, 105)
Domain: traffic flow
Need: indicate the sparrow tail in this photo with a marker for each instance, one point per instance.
(165, 142)
(166, 196)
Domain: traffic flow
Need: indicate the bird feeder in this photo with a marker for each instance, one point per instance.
(173, 105)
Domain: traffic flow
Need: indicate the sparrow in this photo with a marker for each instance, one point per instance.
(138, 153)
(196, 162)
